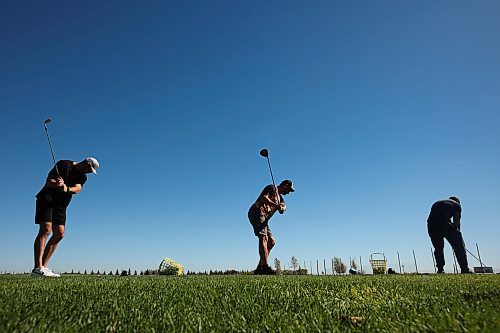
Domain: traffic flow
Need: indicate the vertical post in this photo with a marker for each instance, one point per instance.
(433, 260)
(311, 265)
(317, 267)
(399, 261)
(333, 268)
(480, 261)
(324, 265)
(455, 270)
(305, 267)
(415, 259)
(361, 264)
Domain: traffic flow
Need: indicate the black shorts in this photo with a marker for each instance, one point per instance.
(50, 211)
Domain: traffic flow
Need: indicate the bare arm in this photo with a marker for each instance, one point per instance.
(74, 189)
(270, 201)
(282, 207)
(55, 183)
(59, 183)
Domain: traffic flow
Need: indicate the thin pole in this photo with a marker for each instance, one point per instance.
(455, 267)
(434, 261)
(317, 267)
(399, 261)
(361, 264)
(333, 268)
(415, 259)
(477, 247)
(311, 265)
(324, 265)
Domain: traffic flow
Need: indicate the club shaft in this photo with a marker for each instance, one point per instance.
(272, 177)
(51, 150)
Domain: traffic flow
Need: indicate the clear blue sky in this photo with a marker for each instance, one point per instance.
(375, 110)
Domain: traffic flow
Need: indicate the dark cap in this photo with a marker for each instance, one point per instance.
(288, 182)
(455, 199)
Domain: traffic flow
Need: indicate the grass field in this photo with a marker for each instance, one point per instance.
(449, 303)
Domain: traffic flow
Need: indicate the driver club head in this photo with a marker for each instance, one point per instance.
(264, 152)
(47, 121)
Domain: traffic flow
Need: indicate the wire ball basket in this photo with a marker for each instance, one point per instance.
(378, 263)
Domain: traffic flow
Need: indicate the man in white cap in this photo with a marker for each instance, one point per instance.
(64, 180)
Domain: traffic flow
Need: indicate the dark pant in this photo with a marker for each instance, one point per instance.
(50, 211)
(437, 233)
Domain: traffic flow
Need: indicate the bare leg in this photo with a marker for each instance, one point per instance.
(270, 244)
(57, 235)
(263, 249)
(40, 240)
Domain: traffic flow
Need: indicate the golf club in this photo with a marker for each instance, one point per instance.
(466, 249)
(265, 153)
(45, 123)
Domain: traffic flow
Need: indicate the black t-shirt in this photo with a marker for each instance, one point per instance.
(442, 211)
(70, 176)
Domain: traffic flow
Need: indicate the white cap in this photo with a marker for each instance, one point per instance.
(94, 164)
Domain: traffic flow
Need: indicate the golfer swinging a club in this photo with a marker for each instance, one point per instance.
(268, 202)
(64, 180)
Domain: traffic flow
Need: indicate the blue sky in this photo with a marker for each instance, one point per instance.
(375, 110)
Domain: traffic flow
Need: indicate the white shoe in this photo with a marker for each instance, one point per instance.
(44, 272)
(49, 273)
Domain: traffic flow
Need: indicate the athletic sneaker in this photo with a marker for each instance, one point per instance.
(50, 273)
(258, 270)
(38, 272)
(44, 272)
(264, 270)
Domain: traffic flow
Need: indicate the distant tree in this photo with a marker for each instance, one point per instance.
(294, 264)
(72, 272)
(277, 265)
(129, 272)
(98, 272)
(110, 273)
(135, 272)
(142, 273)
(117, 273)
(85, 273)
(92, 272)
(339, 265)
(354, 266)
(124, 273)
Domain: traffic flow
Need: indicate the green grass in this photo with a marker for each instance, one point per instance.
(449, 303)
